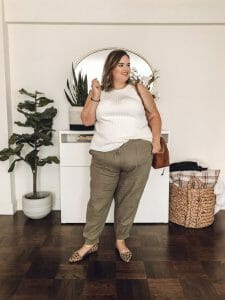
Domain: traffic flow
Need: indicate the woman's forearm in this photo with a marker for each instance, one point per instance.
(88, 113)
(156, 126)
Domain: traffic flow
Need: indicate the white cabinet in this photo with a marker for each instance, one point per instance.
(75, 163)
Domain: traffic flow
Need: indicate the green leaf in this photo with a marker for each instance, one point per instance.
(44, 139)
(22, 138)
(72, 90)
(14, 138)
(48, 160)
(11, 168)
(32, 158)
(43, 143)
(38, 93)
(29, 105)
(43, 101)
(48, 113)
(6, 153)
(45, 124)
(3, 157)
(23, 91)
(74, 76)
(82, 90)
(69, 99)
(26, 138)
(22, 124)
(53, 159)
(18, 149)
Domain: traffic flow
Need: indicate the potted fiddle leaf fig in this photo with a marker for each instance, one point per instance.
(26, 147)
(76, 93)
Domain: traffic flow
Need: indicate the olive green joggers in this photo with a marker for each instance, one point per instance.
(120, 174)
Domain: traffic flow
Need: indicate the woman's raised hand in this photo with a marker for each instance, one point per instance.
(96, 89)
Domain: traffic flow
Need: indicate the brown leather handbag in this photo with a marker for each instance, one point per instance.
(161, 159)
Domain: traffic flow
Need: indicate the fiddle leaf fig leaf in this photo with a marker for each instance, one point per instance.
(26, 124)
(23, 91)
(43, 101)
(48, 160)
(14, 138)
(18, 149)
(11, 168)
(6, 153)
(32, 158)
(28, 105)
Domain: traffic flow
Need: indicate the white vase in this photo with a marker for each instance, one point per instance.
(75, 121)
(74, 115)
(37, 208)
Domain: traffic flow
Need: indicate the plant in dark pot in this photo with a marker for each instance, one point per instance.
(26, 147)
(76, 93)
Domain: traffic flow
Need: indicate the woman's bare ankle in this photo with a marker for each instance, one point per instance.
(121, 244)
(87, 246)
(84, 248)
(120, 241)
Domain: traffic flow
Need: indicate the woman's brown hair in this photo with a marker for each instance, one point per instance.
(110, 63)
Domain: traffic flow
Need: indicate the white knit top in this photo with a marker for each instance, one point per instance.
(120, 116)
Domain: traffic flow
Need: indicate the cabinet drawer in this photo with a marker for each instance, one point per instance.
(75, 154)
(75, 193)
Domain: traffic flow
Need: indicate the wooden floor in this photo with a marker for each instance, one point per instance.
(169, 262)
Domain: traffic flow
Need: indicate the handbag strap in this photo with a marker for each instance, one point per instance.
(135, 84)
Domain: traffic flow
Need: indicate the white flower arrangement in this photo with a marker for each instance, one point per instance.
(148, 81)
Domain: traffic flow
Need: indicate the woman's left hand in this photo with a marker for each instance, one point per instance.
(156, 147)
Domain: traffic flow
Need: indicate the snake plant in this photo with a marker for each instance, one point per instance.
(76, 89)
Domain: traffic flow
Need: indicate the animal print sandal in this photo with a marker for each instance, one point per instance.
(75, 257)
(125, 255)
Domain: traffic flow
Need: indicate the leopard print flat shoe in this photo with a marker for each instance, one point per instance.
(125, 255)
(75, 257)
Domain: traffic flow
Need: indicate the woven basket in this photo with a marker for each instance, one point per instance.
(192, 206)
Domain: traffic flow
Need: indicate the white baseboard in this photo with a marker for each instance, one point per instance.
(7, 208)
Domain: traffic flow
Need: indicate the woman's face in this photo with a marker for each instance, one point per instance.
(121, 72)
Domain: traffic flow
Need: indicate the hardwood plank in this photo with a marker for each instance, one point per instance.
(99, 288)
(8, 286)
(166, 288)
(198, 288)
(67, 289)
(215, 270)
(133, 270)
(133, 289)
(98, 270)
(33, 288)
(160, 269)
(220, 289)
(71, 271)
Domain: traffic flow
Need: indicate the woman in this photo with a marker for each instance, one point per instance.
(121, 150)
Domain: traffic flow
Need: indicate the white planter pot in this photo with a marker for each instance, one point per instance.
(37, 208)
(74, 115)
(75, 119)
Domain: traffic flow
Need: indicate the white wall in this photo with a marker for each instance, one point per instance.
(185, 40)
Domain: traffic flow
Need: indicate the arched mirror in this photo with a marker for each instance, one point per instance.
(91, 66)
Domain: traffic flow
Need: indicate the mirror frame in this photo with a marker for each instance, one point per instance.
(81, 84)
